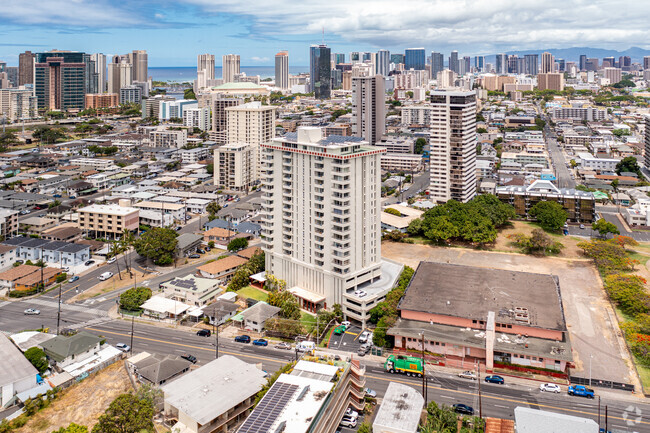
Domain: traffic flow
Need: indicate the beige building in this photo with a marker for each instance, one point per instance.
(108, 219)
(230, 67)
(369, 108)
(452, 144)
(102, 100)
(614, 75)
(234, 166)
(550, 81)
(253, 124)
(163, 137)
(548, 63)
(18, 104)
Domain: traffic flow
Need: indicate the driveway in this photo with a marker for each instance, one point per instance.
(348, 341)
(591, 321)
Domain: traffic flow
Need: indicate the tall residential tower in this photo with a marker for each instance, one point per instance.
(282, 70)
(368, 108)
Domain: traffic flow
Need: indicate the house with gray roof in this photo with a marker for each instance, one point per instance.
(187, 243)
(256, 316)
(159, 369)
(61, 253)
(63, 351)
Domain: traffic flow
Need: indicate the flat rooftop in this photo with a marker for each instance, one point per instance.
(470, 292)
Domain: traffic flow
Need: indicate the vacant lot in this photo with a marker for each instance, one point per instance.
(590, 319)
(82, 403)
(253, 293)
(503, 243)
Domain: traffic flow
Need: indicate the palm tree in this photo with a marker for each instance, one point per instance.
(115, 250)
(126, 242)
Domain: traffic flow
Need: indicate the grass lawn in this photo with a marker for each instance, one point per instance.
(253, 293)
(644, 375)
(326, 338)
(307, 320)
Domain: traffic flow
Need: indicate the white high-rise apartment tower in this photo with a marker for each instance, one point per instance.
(548, 63)
(322, 216)
(230, 67)
(383, 62)
(204, 70)
(452, 145)
(369, 108)
(282, 70)
(100, 70)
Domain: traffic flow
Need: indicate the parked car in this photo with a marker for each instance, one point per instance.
(72, 197)
(194, 256)
(208, 248)
(89, 262)
(348, 422)
(178, 228)
(105, 276)
(111, 260)
(57, 196)
(346, 323)
(189, 357)
(463, 409)
(123, 347)
(495, 379)
(66, 269)
(260, 342)
(339, 329)
(361, 352)
(242, 339)
(363, 338)
(25, 211)
(371, 393)
(200, 251)
(351, 413)
(32, 312)
(360, 293)
(73, 279)
(283, 345)
(468, 375)
(582, 226)
(203, 333)
(550, 387)
(188, 217)
(20, 262)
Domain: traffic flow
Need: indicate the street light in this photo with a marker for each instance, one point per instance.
(590, 358)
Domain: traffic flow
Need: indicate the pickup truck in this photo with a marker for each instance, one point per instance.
(581, 391)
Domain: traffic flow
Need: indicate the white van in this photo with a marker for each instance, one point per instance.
(105, 276)
(306, 346)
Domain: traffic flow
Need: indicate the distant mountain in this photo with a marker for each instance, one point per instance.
(573, 54)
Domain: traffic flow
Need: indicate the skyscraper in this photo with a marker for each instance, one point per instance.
(609, 62)
(501, 64)
(120, 74)
(548, 63)
(512, 64)
(26, 68)
(59, 80)
(453, 61)
(320, 71)
(230, 67)
(100, 70)
(383, 62)
(646, 65)
(282, 70)
(139, 60)
(368, 108)
(322, 226)
(91, 76)
(415, 58)
(646, 136)
(437, 63)
(530, 64)
(452, 146)
(204, 70)
(583, 62)
(339, 58)
(479, 63)
(397, 58)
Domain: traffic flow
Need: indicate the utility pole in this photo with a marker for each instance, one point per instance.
(598, 411)
(606, 429)
(478, 379)
(58, 314)
(132, 325)
(42, 266)
(424, 376)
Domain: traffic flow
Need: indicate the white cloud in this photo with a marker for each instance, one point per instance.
(260, 59)
(476, 23)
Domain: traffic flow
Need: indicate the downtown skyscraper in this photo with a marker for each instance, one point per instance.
(320, 71)
(282, 70)
(437, 63)
(415, 58)
(383, 62)
(100, 71)
(60, 80)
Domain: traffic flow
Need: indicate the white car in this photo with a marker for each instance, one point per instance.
(348, 422)
(346, 324)
(123, 347)
(468, 375)
(111, 260)
(363, 338)
(550, 387)
(351, 413)
(360, 293)
(32, 312)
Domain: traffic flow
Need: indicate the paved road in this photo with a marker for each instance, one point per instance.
(420, 183)
(564, 177)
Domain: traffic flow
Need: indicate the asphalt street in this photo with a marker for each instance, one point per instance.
(420, 183)
(564, 177)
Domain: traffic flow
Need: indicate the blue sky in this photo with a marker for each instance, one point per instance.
(174, 32)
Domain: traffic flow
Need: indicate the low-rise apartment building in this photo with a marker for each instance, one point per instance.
(95, 163)
(223, 269)
(191, 290)
(407, 162)
(111, 220)
(163, 137)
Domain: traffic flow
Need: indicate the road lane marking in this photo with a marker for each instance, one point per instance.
(504, 407)
(446, 396)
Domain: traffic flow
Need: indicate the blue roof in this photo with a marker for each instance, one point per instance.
(248, 227)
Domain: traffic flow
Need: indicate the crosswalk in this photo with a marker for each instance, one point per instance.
(68, 307)
(3, 303)
(91, 322)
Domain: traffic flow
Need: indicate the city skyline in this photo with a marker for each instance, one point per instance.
(174, 33)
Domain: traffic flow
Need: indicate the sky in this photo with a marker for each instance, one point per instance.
(174, 32)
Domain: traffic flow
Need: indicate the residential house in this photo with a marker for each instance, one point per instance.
(222, 269)
(160, 369)
(7, 256)
(17, 374)
(161, 308)
(220, 312)
(63, 351)
(187, 243)
(60, 253)
(256, 316)
(217, 234)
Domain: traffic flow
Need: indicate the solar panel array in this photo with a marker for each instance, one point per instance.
(269, 409)
(185, 284)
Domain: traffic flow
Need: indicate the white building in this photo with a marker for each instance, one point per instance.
(163, 137)
(580, 112)
(322, 204)
(95, 163)
(587, 160)
(452, 160)
(130, 94)
(204, 70)
(282, 70)
(18, 104)
(417, 115)
(174, 109)
(197, 118)
(17, 374)
(394, 416)
(234, 166)
(368, 108)
(230, 67)
(194, 155)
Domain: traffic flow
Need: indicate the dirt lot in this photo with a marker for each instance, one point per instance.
(503, 243)
(590, 319)
(82, 403)
(109, 285)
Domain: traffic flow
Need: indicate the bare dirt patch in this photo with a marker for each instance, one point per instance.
(503, 243)
(82, 403)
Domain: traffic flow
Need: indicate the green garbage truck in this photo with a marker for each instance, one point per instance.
(408, 365)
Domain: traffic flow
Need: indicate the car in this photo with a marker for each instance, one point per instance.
(200, 251)
(66, 269)
(363, 338)
(111, 260)
(20, 262)
(349, 412)
(189, 357)
(371, 393)
(25, 212)
(467, 375)
(73, 279)
(582, 226)
(339, 330)
(283, 345)
(203, 333)
(550, 387)
(365, 347)
(178, 228)
(123, 347)
(346, 323)
(361, 352)
(495, 379)
(32, 312)
(194, 256)
(89, 262)
(348, 422)
(581, 391)
(188, 217)
(260, 342)
(72, 197)
(463, 409)
(360, 293)
(242, 339)
(57, 196)
(208, 248)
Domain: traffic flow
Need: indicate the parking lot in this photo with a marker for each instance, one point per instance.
(348, 341)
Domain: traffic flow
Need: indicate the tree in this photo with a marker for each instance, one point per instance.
(604, 227)
(157, 244)
(481, 131)
(210, 168)
(133, 299)
(8, 139)
(573, 163)
(609, 257)
(189, 94)
(72, 428)
(419, 145)
(366, 427)
(629, 164)
(628, 292)
(37, 357)
(439, 229)
(288, 304)
(212, 208)
(537, 242)
(392, 211)
(551, 215)
(237, 244)
(126, 414)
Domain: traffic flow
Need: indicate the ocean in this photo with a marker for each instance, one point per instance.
(188, 73)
